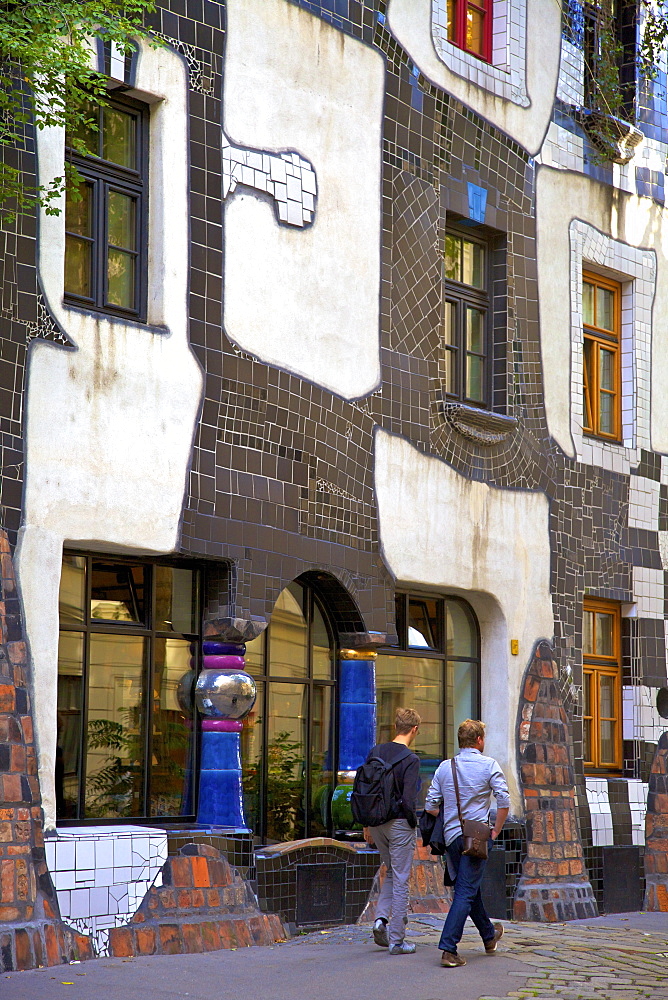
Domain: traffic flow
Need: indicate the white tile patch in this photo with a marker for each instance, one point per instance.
(641, 720)
(101, 875)
(648, 591)
(638, 804)
(599, 808)
(643, 503)
(287, 178)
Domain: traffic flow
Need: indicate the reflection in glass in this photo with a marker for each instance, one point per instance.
(119, 137)
(72, 589)
(607, 729)
(474, 30)
(462, 638)
(472, 264)
(286, 744)
(121, 229)
(451, 19)
(588, 632)
(321, 759)
(173, 732)
(587, 304)
(117, 592)
(288, 635)
(453, 251)
(78, 240)
(474, 378)
(449, 333)
(254, 658)
(115, 744)
(462, 677)
(587, 383)
(423, 623)
(605, 302)
(604, 634)
(70, 694)
(175, 599)
(321, 652)
(587, 717)
(251, 759)
(120, 279)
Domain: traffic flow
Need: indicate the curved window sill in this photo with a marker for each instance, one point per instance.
(481, 426)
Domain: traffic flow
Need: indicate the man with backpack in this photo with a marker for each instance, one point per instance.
(384, 799)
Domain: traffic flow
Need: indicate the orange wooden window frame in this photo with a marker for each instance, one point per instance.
(597, 337)
(597, 666)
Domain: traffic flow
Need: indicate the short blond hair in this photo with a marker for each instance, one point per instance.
(405, 720)
(470, 732)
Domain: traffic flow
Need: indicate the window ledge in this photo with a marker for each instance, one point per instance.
(481, 426)
(614, 138)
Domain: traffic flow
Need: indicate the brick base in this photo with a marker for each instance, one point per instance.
(427, 894)
(554, 902)
(656, 893)
(41, 943)
(202, 905)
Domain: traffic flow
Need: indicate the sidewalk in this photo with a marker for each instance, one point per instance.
(611, 958)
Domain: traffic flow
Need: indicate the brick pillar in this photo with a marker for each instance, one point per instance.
(31, 932)
(554, 884)
(656, 831)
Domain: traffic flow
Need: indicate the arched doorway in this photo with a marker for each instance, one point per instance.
(287, 744)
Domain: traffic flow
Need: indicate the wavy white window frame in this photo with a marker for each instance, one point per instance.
(635, 269)
(505, 76)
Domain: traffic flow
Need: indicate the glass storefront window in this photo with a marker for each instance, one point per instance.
(126, 739)
(287, 744)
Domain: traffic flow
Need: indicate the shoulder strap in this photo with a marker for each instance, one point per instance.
(456, 784)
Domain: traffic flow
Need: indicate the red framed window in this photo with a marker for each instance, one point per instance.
(470, 26)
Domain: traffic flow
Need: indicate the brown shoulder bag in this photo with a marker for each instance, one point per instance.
(475, 833)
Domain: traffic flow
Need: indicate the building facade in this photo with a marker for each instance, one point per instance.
(347, 361)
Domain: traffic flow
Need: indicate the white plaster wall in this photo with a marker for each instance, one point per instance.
(491, 546)
(562, 197)
(522, 112)
(109, 425)
(306, 300)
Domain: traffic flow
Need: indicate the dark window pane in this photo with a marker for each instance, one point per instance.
(78, 260)
(121, 221)
(121, 279)
(588, 315)
(175, 599)
(321, 650)
(119, 137)
(286, 748)
(72, 589)
(423, 623)
(118, 592)
(605, 309)
(462, 691)
(68, 745)
(115, 753)
(173, 731)
(87, 134)
(605, 625)
(78, 209)
(453, 249)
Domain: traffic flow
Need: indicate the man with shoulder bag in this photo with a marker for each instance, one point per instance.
(383, 800)
(464, 785)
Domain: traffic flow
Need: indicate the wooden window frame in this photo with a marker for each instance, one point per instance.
(596, 666)
(457, 26)
(599, 338)
(104, 177)
(460, 295)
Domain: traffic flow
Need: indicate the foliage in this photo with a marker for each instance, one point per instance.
(46, 78)
(285, 785)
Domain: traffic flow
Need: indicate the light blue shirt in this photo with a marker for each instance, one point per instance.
(479, 777)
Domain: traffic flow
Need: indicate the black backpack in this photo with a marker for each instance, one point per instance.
(373, 799)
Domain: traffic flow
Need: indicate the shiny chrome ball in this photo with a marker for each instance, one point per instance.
(184, 692)
(224, 694)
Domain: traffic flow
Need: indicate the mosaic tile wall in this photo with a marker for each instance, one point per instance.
(280, 480)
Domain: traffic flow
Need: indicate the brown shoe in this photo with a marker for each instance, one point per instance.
(450, 961)
(490, 946)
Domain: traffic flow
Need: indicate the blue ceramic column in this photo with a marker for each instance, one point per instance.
(225, 694)
(357, 726)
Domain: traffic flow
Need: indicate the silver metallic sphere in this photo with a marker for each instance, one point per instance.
(184, 692)
(223, 694)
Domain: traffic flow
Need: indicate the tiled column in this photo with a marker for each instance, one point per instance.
(357, 725)
(225, 693)
(656, 831)
(554, 885)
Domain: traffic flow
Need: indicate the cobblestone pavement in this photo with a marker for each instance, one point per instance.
(577, 961)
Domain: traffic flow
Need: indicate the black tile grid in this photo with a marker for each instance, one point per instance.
(237, 847)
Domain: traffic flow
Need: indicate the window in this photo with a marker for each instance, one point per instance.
(128, 655)
(434, 669)
(105, 213)
(601, 714)
(608, 30)
(466, 334)
(470, 26)
(601, 378)
(288, 789)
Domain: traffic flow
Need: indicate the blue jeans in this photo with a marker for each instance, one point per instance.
(467, 899)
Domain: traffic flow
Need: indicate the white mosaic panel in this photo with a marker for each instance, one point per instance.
(643, 503)
(641, 720)
(638, 803)
(101, 874)
(506, 75)
(599, 807)
(287, 178)
(648, 591)
(570, 88)
(591, 248)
